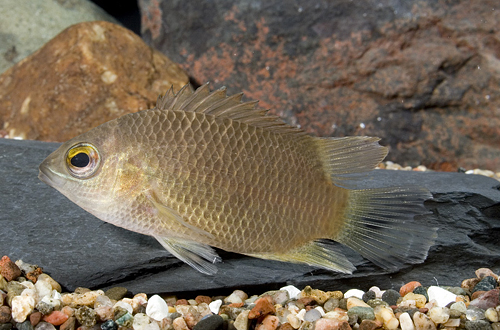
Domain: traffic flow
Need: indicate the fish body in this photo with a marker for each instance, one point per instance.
(202, 169)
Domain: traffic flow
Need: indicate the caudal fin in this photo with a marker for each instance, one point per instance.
(379, 225)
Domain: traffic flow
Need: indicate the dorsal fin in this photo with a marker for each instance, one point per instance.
(219, 104)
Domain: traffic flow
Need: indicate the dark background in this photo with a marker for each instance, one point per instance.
(125, 11)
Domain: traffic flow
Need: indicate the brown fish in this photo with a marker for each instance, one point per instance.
(202, 169)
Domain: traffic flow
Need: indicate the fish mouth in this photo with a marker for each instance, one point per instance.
(46, 175)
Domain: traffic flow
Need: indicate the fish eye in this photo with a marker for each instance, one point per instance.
(82, 160)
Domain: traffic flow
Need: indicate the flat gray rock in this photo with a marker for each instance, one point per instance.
(40, 226)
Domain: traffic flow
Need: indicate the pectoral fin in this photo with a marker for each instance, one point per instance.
(197, 255)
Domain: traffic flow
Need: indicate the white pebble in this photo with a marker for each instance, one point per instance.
(127, 306)
(22, 306)
(152, 326)
(241, 322)
(423, 322)
(443, 297)
(492, 315)
(157, 308)
(293, 292)
(354, 293)
(321, 310)
(141, 320)
(294, 321)
(237, 297)
(439, 315)
(406, 322)
(43, 289)
(301, 314)
(215, 306)
(459, 306)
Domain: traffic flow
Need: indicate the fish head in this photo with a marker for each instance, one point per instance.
(84, 169)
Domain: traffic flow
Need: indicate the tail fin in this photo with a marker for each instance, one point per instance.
(379, 225)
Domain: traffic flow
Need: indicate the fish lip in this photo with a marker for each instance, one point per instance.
(46, 175)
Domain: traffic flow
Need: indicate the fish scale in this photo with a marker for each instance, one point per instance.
(203, 169)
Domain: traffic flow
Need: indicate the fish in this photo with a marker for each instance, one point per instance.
(204, 170)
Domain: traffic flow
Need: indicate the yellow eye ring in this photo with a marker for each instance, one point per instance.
(82, 160)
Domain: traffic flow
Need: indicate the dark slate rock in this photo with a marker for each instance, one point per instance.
(213, 322)
(40, 226)
(417, 74)
(486, 284)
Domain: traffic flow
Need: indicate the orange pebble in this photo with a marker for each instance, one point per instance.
(263, 306)
(408, 287)
(56, 318)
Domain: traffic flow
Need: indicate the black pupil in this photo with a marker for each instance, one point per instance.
(80, 160)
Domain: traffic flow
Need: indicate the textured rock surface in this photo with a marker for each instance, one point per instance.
(90, 73)
(26, 25)
(40, 226)
(423, 75)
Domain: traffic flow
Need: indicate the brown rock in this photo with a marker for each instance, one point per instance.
(408, 287)
(422, 75)
(483, 272)
(182, 302)
(35, 318)
(285, 326)
(263, 306)
(470, 283)
(489, 299)
(33, 276)
(9, 269)
(269, 322)
(369, 325)
(69, 324)
(5, 314)
(203, 299)
(88, 74)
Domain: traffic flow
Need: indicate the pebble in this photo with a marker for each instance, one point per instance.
(157, 308)
(293, 292)
(439, 315)
(486, 284)
(331, 304)
(354, 293)
(86, 316)
(391, 297)
(270, 322)
(180, 324)
(317, 295)
(369, 295)
(423, 322)
(203, 299)
(474, 313)
(236, 297)
(487, 300)
(215, 306)
(44, 326)
(55, 318)
(408, 287)
(491, 315)
(443, 297)
(325, 324)
(353, 302)
(414, 300)
(421, 290)
(140, 322)
(459, 306)
(26, 325)
(312, 315)
(122, 304)
(116, 293)
(263, 306)
(22, 306)
(212, 322)
(69, 324)
(241, 322)
(9, 270)
(378, 292)
(363, 313)
(477, 325)
(386, 316)
(81, 299)
(406, 322)
(483, 272)
(5, 314)
(109, 325)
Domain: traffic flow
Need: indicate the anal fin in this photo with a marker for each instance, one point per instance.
(320, 254)
(197, 255)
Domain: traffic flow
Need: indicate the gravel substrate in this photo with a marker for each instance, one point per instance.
(388, 165)
(31, 300)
